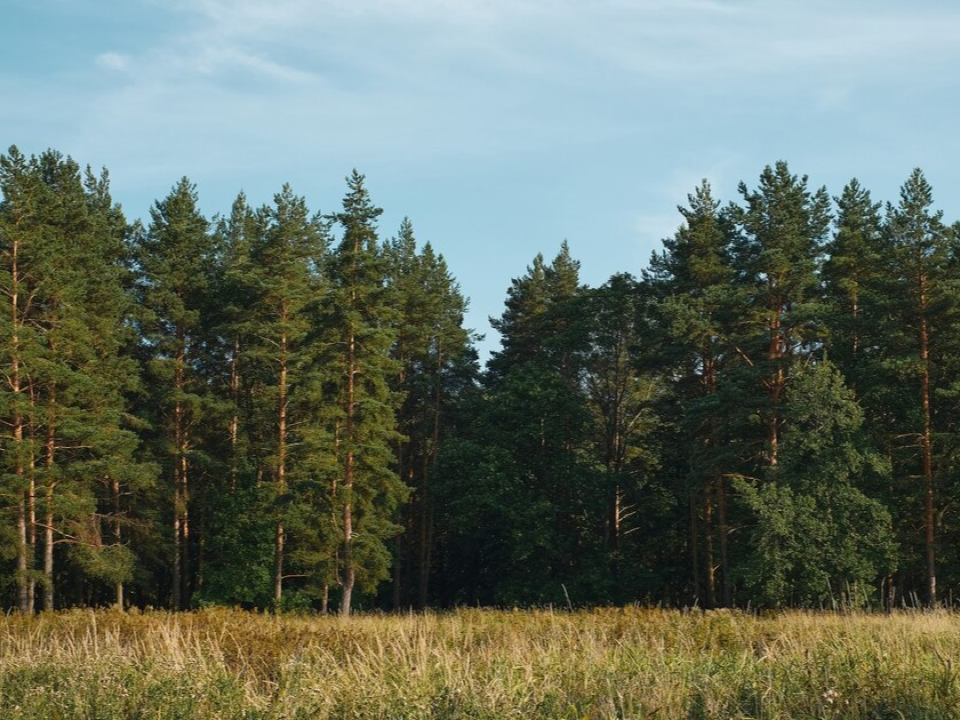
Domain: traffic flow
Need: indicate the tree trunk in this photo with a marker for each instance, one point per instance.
(32, 506)
(724, 532)
(187, 564)
(17, 432)
(235, 420)
(349, 575)
(400, 548)
(711, 598)
(929, 514)
(177, 569)
(776, 383)
(426, 533)
(117, 533)
(32, 541)
(694, 545)
(281, 466)
(397, 565)
(48, 594)
(23, 598)
(179, 477)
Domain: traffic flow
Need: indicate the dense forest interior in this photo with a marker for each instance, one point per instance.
(278, 408)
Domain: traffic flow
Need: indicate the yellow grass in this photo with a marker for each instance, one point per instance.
(623, 663)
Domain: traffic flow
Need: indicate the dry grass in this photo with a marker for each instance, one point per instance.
(628, 663)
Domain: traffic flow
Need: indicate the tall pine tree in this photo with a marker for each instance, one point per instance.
(360, 332)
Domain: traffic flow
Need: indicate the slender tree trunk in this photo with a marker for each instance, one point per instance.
(334, 485)
(855, 313)
(117, 533)
(397, 565)
(711, 598)
(423, 551)
(176, 584)
(776, 384)
(281, 466)
(235, 420)
(349, 574)
(929, 508)
(17, 432)
(724, 533)
(32, 514)
(401, 539)
(48, 594)
(179, 479)
(426, 538)
(617, 517)
(23, 598)
(32, 504)
(187, 566)
(694, 544)
(278, 571)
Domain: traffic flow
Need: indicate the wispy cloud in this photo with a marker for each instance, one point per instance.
(545, 118)
(113, 61)
(442, 82)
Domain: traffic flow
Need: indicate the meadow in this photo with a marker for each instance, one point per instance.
(479, 664)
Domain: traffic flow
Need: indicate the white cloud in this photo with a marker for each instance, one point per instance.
(439, 83)
(113, 61)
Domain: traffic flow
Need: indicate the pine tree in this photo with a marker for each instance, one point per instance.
(539, 324)
(237, 525)
(922, 300)
(431, 348)
(537, 416)
(176, 257)
(22, 242)
(69, 324)
(283, 287)
(783, 228)
(360, 329)
(695, 305)
(621, 396)
(850, 275)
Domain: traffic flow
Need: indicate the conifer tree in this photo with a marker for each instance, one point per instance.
(176, 256)
(538, 417)
(782, 231)
(695, 305)
(922, 299)
(69, 324)
(360, 330)
(238, 530)
(622, 396)
(22, 246)
(431, 346)
(283, 289)
(851, 276)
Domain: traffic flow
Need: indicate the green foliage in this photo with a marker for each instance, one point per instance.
(359, 332)
(818, 538)
(65, 336)
(313, 407)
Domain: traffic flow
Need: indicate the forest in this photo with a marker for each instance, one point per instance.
(281, 409)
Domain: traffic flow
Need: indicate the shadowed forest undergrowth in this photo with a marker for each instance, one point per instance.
(627, 663)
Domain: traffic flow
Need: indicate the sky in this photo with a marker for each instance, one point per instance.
(499, 127)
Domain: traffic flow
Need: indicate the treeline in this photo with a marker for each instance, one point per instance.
(281, 409)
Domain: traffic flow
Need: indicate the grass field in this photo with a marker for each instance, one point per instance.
(629, 663)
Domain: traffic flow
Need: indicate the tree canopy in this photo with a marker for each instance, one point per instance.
(281, 408)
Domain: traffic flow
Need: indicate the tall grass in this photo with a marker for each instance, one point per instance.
(483, 665)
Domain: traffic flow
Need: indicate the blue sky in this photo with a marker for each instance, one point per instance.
(500, 127)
